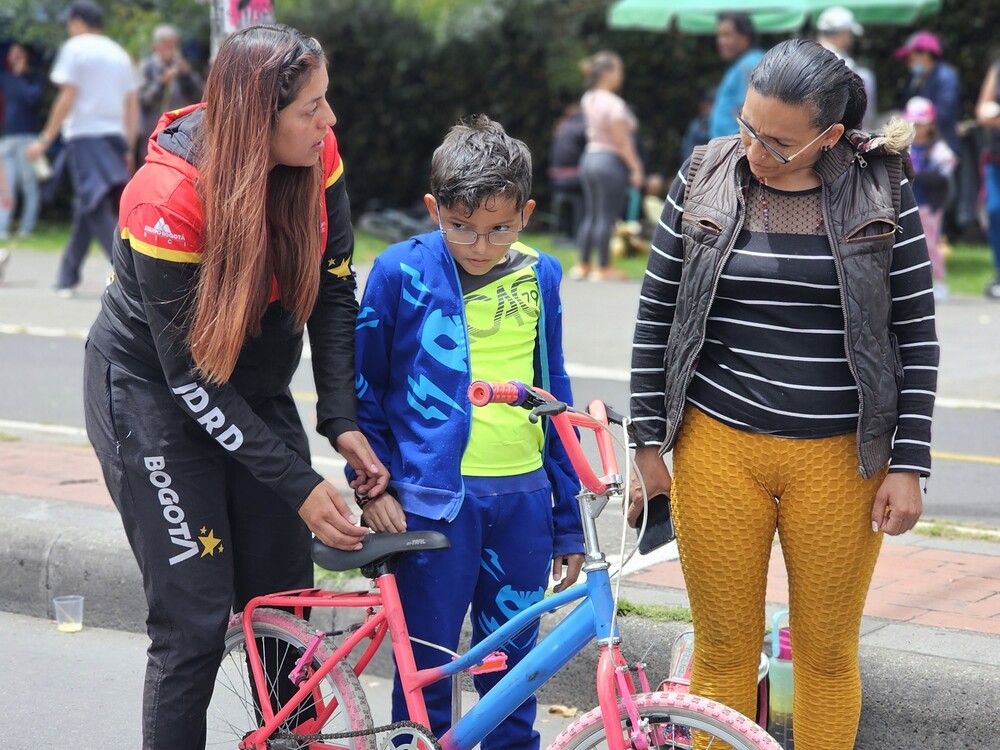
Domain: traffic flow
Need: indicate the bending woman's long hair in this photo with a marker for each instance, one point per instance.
(261, 223)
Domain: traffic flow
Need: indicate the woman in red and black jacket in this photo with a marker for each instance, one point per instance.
(233, 238)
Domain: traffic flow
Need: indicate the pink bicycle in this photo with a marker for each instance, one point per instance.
(283, 685)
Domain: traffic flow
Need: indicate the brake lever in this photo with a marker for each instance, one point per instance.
(613, 416)
(547, 409)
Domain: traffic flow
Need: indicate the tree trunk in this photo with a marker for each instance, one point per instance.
(231, 15)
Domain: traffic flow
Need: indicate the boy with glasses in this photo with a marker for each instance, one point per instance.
(467, 302)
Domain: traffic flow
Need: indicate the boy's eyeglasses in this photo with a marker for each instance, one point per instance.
(778, 156)
(497, 237)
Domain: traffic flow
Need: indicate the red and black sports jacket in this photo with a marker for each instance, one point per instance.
(143, 324)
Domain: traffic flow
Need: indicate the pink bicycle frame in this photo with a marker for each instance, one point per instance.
(384, 614)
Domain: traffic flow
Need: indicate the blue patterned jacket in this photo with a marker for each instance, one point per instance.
(412, 355)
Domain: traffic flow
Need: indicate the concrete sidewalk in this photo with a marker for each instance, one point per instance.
(922, 581)
(930, 637)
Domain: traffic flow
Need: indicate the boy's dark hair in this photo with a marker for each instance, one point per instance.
(478, 161)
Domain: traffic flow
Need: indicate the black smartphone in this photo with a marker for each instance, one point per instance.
(659, 527)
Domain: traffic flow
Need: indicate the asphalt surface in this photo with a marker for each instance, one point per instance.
(926, 687)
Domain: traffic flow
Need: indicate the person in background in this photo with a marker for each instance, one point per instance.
(934, 79)
(97, 110)
(988, 115)
(569, 138)
(697, 133)
(22, 94)
(609, 166)
(229, 247)
(836, 30)
(736, 40)
(785, 352)
(934, 164)
(168, 83)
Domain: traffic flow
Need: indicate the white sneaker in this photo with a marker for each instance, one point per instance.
(65, 292)
(4, 260)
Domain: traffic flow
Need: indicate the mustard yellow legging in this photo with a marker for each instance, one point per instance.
(731, 491)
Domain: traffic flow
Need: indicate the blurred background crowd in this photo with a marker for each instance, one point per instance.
(656, 82)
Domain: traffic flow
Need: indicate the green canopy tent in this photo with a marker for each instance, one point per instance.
(769, 16)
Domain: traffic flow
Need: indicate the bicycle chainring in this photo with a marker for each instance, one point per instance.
(407, 735)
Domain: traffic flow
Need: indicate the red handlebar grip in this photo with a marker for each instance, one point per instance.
(482, 393)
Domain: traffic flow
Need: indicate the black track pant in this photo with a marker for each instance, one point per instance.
(206, 535)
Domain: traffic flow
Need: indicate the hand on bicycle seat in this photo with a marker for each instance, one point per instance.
(656, 476)
(383, 514)
(328, 517)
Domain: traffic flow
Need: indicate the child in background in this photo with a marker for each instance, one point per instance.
(934, 163)
(468, 302)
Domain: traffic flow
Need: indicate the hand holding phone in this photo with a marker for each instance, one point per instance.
(659, 527)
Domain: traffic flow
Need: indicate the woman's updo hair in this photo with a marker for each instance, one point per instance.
(799, 71)
(598, 64)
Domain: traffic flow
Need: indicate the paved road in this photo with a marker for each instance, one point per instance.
(95, 678)
(40, 383)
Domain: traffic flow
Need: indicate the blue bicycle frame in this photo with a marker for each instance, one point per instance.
(590, 619)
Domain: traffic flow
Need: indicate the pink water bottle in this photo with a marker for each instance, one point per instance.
(781, 685)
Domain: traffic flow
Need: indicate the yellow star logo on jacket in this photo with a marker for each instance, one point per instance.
(341, 269)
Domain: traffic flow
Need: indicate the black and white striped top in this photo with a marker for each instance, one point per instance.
(773, 359)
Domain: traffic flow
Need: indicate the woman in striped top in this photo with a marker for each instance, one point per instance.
(785, 352)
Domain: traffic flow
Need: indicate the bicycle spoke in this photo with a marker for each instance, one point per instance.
(280, 640)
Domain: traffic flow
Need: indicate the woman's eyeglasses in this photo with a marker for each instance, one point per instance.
(778, 156)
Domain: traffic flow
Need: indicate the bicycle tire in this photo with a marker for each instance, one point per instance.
(233, 713)
(684, 711)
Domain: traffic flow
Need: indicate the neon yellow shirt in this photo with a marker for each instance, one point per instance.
(502, 312)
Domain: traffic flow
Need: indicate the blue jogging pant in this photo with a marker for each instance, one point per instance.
(499, 562)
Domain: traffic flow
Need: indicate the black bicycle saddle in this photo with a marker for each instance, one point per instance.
(375, 547)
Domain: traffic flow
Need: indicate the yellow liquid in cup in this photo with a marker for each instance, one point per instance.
(69, 627)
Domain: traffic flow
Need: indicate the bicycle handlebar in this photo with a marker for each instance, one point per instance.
(482, 393)
(563, 420)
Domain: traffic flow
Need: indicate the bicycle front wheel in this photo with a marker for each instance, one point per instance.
(669, 722)
(281, 640)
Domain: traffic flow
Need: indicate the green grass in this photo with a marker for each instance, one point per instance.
(7, 438)
(47, 238)
(655, 612)
(970, 267)
(937, 529)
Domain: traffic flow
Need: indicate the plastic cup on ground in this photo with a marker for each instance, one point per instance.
(69, 613)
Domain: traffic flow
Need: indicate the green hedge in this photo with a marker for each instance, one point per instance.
(403, 71)
(398, 84)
